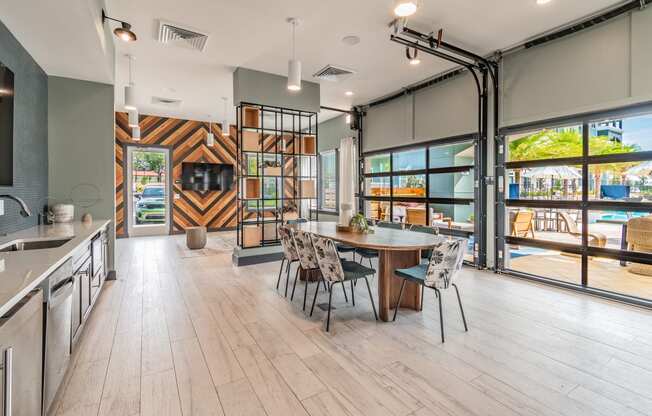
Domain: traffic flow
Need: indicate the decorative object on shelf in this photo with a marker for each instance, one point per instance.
(276, 171)
(63, 212)
(124, 32)
(294, 65)
(87, 218)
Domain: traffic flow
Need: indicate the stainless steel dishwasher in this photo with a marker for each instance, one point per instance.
(57, 289)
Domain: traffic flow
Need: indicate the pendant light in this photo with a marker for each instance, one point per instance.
(130, 89)
(294, 65)
(133, 118)
(135, 134)
(210, 138)
(225, 122)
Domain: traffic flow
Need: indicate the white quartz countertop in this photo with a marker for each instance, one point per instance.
(22, 271)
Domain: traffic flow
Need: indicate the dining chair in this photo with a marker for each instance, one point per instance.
(290, 255)
(438, 274)
(296, 221)
(307, 262)
(335, 271)
(368, 253)
(425, 254)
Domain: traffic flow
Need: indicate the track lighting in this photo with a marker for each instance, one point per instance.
(413, 58)
(405, 8)
(124, 32)
(294, 65)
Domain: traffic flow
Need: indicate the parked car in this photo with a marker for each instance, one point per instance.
(150, 207)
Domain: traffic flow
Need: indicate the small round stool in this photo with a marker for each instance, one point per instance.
(196, 237)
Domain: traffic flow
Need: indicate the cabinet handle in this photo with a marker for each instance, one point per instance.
(9, 379)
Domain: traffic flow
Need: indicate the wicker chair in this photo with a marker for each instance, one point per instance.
(639, 238)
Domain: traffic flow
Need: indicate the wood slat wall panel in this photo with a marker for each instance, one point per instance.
(186, 140)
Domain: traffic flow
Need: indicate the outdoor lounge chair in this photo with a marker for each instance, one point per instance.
(639, 238)
(523, 224)
(595, 239)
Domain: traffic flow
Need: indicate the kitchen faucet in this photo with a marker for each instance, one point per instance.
(24, 209)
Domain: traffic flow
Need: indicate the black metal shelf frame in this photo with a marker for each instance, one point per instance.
(301, 124)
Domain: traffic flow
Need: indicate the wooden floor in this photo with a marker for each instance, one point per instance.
(184, 333)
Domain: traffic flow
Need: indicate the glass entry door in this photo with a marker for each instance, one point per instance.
(148, 187)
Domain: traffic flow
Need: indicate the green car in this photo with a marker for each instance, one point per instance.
(150, 208)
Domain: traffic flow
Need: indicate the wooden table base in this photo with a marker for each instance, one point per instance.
(390, 285)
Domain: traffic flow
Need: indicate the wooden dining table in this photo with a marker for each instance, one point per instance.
(397, 249)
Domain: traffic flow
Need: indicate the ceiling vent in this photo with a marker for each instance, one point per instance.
(172, 33)
(333, 73)
(166, 102)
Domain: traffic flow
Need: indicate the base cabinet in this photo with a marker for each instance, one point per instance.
(21, 349)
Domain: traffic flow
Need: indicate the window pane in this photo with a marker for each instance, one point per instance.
(409, 186)
(452, 185)
(546, 182)
(409, 160)
(251, 163)
(458, 154)
(328, 191)
(378, 186)
(457, 221)
(626, 135)
(629, 181)
(620, 230)
(629, 278)
(543, 262)
(549, 224)
(376, 210)
(409, 213)
(377, 163)
(270, 188)
(544, 144)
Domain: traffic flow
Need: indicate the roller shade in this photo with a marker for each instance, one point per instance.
(388, 125)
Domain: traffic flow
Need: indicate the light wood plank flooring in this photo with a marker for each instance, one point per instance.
(186, 333)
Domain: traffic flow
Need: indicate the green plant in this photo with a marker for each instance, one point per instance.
(359, 223)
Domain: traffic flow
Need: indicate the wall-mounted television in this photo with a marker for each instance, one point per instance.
(6, 126)
(206, 176)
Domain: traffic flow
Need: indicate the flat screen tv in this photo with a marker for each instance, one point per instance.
(6, 126)
(206, 176)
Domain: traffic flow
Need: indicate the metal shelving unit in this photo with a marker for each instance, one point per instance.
(276, 171)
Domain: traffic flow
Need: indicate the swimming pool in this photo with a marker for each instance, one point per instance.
(621, 216)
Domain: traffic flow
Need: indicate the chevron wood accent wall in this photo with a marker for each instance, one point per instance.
(186, 140)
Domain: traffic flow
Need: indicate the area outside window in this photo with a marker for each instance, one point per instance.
(328, 189)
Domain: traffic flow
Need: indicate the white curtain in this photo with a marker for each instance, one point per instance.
(348, 178)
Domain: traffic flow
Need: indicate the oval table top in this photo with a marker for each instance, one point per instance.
(382, 238)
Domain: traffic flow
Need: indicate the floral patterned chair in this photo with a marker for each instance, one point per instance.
(307, 261)
(335, 270)
(437, 274)
(290, 255)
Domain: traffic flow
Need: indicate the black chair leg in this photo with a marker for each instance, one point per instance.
(441, 315)
(423, 288)
(287, 279)
(370, 263)
(312, 308)
(294, 286)
(346, 298)
(280, 271)
(371, 298)
(466, 328)
(305, 292)
(352, 292)
(400, 296)
(328, 318)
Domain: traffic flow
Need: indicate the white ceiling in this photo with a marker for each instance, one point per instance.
(254, 34)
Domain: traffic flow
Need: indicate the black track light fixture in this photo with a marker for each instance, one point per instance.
(124, 32)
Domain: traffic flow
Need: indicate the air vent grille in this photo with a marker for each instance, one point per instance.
(333, 73)
(172, 33)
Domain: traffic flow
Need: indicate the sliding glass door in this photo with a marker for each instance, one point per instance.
(430, 184)
(575, 204)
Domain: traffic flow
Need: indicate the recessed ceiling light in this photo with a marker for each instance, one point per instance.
(542, 2)
(405, 8)
(351, 40)
(348, 93)
(415, 61)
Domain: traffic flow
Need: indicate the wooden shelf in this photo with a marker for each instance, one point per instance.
(251, 117)
(252, 235)
(252, 188)
(250, 141)
(308, 145)
(272, 171)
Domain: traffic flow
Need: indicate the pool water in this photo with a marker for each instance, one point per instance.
(621, 216)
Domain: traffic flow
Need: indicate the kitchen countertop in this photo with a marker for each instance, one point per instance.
(22, 271)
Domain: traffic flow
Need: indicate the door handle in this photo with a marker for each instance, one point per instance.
(9, 379)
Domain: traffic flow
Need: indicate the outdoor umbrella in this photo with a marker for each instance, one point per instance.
(644, 169)
(561, 172)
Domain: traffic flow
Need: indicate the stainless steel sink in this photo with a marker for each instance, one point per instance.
(23, 245)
